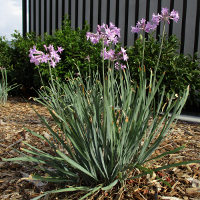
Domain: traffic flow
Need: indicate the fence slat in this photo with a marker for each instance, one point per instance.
(112, 11)
(80, 11)
(53, 16)
(197, 26)
(103, 11)
(48, 18)
(24, 17)
(91, 14)
(99, 11)
(190, 27)
(131, 22)
(42, 17)
(95, 15)
(178, 6)
(59, 14)
(142, 9)
(122, 20)
(199, 43)
(73, 13)
(87, 11)
(108, 12)
(126, 22)
(67, 8)
(34, 16)
(37, 24)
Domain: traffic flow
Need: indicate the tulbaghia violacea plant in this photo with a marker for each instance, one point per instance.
(106, 129)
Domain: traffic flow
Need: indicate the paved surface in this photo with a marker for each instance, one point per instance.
(189, 118)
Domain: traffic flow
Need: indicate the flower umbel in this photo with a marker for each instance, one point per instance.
(156, 19)
(143, 25)
(165, 16)
(109, 34)
(38, 57)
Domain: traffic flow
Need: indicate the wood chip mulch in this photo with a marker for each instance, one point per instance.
(18, 113)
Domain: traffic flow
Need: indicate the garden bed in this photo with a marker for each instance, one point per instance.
(19, 113)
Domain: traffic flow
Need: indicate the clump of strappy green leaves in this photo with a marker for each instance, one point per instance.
(109, 125)
(4, 87)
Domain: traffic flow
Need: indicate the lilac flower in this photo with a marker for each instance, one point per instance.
(156, 19)
(108, 55)
(149, 27)
(123, 66)
(60, 49)
(142, 25)
(165, 12)
(165, 16)
(135, 29)
(118, 66)
(109, 34)
(174, 16)
(38, 57)
(94, 38)
(124, 55)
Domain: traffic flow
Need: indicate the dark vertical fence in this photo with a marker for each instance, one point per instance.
(24, 17)
(47, 15)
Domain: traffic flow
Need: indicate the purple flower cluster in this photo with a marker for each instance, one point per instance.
(156, 19)
(119, 66)
(115, 57)
(165, 16)
(109, 34)
(38, 57)
(142, 25)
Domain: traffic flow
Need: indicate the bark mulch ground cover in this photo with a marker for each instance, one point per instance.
(18, 113)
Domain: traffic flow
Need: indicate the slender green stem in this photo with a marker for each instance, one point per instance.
(161, 46)
(143, 54)
(143, 48)
(52, 80)
(40, 77)
(159, 55)
(103, 63)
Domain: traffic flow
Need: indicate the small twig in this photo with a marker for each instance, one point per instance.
(18, 141)
(142, 196)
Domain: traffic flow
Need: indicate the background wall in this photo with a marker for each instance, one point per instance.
(46, 15)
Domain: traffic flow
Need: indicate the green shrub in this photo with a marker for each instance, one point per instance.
(22, 71)
(5, 55)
